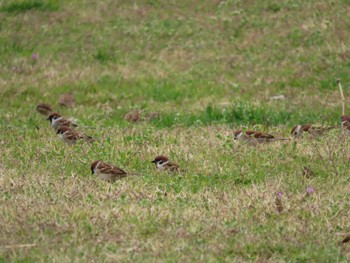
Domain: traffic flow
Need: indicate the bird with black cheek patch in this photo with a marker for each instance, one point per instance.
(56, 121)
(162, 163)
(107, 172)
(315, 130)
(70, 136)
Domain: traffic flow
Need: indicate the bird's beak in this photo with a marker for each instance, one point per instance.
(92, 171)
(154, 161)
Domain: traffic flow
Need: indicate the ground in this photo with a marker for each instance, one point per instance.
(207, 68)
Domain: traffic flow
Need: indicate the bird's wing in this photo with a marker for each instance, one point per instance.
(110, 169)
(260, 135)
(250, 133)
(72, 135)
(171, 166)
(63, 122)
(264, 136)
(306, 127)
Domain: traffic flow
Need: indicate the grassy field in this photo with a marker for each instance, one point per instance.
(208, 68)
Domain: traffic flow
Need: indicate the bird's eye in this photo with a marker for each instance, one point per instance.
(160, 162)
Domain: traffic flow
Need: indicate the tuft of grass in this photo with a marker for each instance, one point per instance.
(243, 114)
(28, 5)
(103, 56)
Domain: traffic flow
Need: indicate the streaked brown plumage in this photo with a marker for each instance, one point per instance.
(345, 122)
(71, 136)
(298, 130)
(259, 135)
(255, 137)
(133, 116)
(107, 171)
(56, 121)
(345, 118)
(67, 99)
(44, 109)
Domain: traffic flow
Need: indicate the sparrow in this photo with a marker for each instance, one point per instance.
(56, 121)
(254, 136)
(70, 136)
(44, 109)
(106, 171)
(298, 130)
(133, 116)
(345, 120)
(163, 163)
(67, 99)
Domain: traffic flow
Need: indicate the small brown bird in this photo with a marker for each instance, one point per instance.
(278, 202)
(241, 135)
(315, 130)
(67, 99)
(163, 163)
(56, 121)
(133, 116)
(44, 109)
(70, 136)
(345, 123)
(254, 137)
(106, 171)
(345, 118)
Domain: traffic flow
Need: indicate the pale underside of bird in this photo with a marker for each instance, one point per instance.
(162, 163)
(107, 172)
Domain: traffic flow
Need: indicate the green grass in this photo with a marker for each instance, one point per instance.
(207, 68)
(28, 5)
